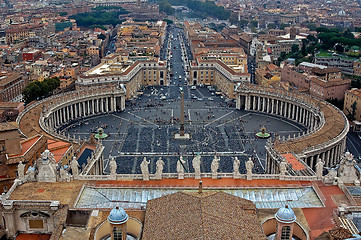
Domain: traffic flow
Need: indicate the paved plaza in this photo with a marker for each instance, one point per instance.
(147, 127)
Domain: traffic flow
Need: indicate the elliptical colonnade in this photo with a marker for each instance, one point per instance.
(305, 110)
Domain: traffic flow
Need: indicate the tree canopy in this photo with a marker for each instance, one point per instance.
(100, 16)
(37, 89)
(208, 7)
(166, 7)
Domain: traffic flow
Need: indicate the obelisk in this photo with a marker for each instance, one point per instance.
(181, 130)
(182, 135)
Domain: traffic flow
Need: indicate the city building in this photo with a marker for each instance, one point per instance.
(11, 86)
(352, 104)
(317, 80)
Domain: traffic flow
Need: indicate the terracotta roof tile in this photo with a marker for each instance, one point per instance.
(216, 215)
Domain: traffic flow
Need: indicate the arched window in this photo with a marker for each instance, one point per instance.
(285, 234)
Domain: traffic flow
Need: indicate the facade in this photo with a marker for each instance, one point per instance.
(132, 75)
(31, 55)
(353, 101)
(268, 76)
(357, 68)
(10, 110)
(317, 80)
(282, 46)
(217, 73)
(328, 84)
(11, 86)
(345, 64)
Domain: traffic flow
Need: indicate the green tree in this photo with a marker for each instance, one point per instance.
(254, 23)
(37, 89)
(102, 36)
(351, 113)
(166, 7)
(295, 48)
(303, 49)
(348, 34)
(336, 102)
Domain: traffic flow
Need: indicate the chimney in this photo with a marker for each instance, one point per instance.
(200, 187)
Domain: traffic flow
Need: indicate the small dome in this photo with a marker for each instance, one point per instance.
(285, 215)
(118, 216)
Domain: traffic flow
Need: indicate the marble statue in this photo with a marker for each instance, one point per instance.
(196, 163)
(159, 169)
(283, 168)
(21, 171)
(46, 165)
(180, 167)
(30, 174)
(236, 164)
(144, 169)
(74, 166)
(64, 176)
(249, 168)
(319, 169)
(48, 156)
(347, 173)
(215, 166)
(112, 166)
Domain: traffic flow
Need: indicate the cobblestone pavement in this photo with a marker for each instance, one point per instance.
(147, 127)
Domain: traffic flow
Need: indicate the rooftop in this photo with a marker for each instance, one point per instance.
(356, 92)
(291, 159)
(8, 126)
(205, 215)
(26, 145)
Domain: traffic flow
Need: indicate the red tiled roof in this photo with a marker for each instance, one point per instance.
(26, 145)
(321, 219)
(28, 236)
(58, 148)
(291, 159)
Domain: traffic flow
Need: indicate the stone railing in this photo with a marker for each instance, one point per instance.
(192, 175)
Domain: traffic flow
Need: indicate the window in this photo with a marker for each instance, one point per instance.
(36, 224)
(285, 234)
(117, 233)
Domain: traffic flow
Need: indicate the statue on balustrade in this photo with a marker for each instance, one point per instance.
(21, 171)
(144, 169)
(74, 167)
(180, 167)
(215, 166)
(319, 168)
(159, 169)
(113, 166)
(196, 163)
(236, 164)
(249, 168)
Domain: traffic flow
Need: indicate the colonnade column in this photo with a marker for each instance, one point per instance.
(246, 107)
(101, 105)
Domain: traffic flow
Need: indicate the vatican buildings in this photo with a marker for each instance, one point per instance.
(102, 161)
